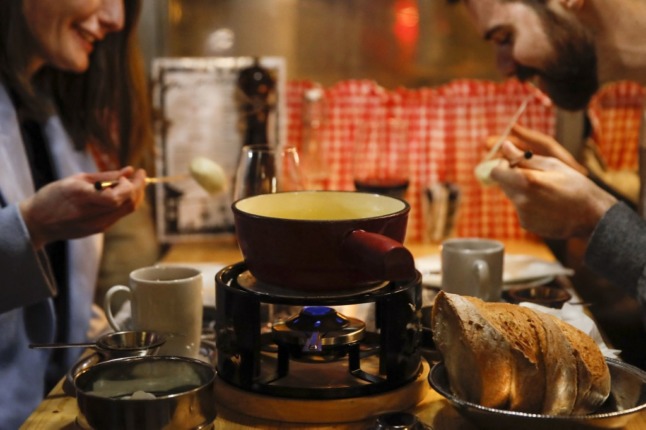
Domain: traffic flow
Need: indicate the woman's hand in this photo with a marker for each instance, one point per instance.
(552, 199)
(71, 207)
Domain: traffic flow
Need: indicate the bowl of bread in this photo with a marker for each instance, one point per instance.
(505, 366)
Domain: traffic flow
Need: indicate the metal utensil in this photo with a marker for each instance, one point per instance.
(102, 185)
(508, 128)
(117, 344)
(57, 345)
(207, 173)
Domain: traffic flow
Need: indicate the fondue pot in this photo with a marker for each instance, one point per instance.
(324, 240)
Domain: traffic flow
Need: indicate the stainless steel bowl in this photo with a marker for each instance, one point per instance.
(129, 343)
(627, 398)
(142, 393)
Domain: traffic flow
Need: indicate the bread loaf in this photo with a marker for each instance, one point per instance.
(507, 356)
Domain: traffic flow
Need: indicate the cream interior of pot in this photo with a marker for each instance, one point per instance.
(320, 206)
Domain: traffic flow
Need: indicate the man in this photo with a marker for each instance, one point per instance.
(568, 48)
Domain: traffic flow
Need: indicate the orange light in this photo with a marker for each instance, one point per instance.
(406, 27)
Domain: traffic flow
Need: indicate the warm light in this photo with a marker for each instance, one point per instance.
(220, 41)
(406, 26)
(408, 16)
(175, 11)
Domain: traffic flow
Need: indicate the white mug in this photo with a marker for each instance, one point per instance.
(473, 267)
(165, 299)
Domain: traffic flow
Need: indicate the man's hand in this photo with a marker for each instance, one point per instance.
(540, 144)
(552, 199)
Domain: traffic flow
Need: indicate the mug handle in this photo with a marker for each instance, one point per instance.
(107, 304)
(483, 279)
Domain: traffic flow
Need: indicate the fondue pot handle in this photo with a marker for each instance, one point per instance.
(378, 256)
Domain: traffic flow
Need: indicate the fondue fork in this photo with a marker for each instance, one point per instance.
(102, 185)
(207, 173)
(507, 131)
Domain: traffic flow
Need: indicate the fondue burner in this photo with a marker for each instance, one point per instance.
(316, 353)
(318, 333)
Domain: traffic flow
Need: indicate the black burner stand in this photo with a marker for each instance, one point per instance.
(240, 343)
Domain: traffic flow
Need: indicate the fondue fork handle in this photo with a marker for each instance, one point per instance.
(102, 185)
(508, 128)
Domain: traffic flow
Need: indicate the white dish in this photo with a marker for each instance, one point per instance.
(518, 269)
(521, 268)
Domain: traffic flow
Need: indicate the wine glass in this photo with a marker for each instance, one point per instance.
(381, 158)
(265, 170)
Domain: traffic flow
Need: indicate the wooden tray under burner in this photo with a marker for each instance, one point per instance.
(350, 409)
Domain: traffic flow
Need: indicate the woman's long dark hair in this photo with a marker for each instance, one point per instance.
(107, 106)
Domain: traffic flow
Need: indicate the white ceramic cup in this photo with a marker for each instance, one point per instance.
(166, 299)
(473, 267)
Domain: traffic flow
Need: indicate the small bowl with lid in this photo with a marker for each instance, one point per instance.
(150, 392)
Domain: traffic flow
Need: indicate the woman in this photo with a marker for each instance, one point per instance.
(67, 88)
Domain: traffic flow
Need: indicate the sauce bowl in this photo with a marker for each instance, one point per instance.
(146, 393)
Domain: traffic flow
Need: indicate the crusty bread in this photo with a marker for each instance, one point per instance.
(510, 357)
(461, 330)
(560, 369)
(519, 329)
(592, 370)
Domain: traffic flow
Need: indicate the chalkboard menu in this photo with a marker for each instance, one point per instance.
(200, 111)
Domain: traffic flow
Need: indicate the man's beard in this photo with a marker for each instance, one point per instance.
(570, 79)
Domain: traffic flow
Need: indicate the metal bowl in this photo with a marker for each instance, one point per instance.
(627, 398)
(141, 393)
(129, 344)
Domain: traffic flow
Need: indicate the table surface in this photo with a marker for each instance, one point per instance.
(59, 411)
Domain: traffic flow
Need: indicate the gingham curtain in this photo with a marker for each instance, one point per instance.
(448, 125)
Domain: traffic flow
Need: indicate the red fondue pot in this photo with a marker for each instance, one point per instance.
(324, 240)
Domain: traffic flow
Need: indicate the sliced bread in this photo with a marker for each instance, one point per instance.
(506, 356)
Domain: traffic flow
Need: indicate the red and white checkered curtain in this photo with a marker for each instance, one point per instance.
(448, 126)
(615, 113)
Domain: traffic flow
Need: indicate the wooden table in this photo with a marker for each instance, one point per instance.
(59, 411)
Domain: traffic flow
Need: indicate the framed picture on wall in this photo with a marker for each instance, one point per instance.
(200, 111)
